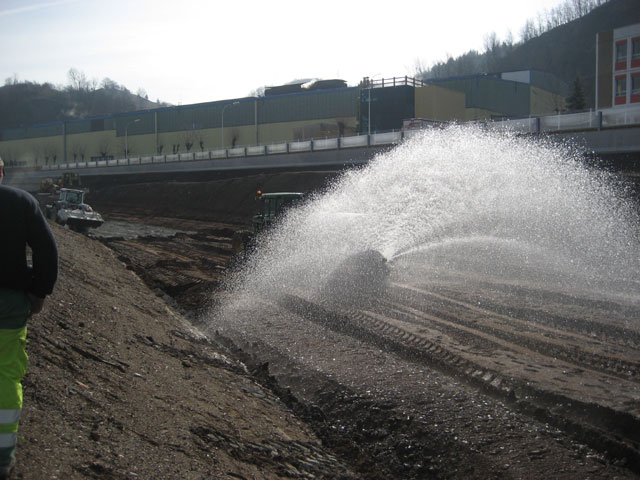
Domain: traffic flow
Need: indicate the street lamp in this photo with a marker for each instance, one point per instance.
(222, 129)
(126, 143)
(369, 102)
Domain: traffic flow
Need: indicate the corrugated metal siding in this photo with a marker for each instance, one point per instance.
(205, 115)
(389, 107)
(549, 82)
(127, 122)
(494, 94)
(509, 98)
(47, 130)
(313, 105)
(79, 126)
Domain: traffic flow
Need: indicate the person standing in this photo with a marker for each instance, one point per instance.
(23, 289)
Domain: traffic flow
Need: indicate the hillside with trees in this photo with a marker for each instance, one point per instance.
(24, 103)
(561, 41)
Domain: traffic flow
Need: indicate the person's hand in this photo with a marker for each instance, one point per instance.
(36, 304)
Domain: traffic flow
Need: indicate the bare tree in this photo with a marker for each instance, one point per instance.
(190, 138)
(78, 151)
(37, 151)
(78, 81)
(235, 136)
(50, 153)
(12, 80)
(258, 92)
(109, 84)
(105, 148)
(9, 157)
(419, 68)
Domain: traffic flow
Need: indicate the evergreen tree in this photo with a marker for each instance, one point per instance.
(576, 101)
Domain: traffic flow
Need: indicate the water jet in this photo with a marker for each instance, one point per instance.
(466, 199)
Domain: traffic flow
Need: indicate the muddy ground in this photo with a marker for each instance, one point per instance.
(425, 381)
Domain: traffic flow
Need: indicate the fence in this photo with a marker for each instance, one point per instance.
(607, 118)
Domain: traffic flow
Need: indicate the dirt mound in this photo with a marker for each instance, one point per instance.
(120, 386)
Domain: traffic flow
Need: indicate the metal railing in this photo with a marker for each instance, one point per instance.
(314, 145)
(592, 120)
(391, 82)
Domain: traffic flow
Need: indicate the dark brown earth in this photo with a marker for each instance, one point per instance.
(427, 381)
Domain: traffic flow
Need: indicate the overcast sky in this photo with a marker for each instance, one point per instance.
(191, 51)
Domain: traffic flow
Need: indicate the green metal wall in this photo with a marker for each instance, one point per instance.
(551, 83)
(490, 93)
(37, 131)
(390, 106)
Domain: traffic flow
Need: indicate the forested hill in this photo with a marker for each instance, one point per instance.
(552, 44)
(29, 103)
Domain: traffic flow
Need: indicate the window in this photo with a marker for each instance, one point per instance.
(635, 52)
(621, 55)
(621, 89)
(635, 88)
(635, 85)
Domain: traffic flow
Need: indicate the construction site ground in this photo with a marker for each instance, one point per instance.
(427, 381)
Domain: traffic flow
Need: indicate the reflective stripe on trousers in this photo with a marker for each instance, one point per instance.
(13, 366)
(8, 440)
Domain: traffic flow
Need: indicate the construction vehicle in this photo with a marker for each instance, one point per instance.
(66, 180)
(71, 210)
(272, 205)
(48, 186)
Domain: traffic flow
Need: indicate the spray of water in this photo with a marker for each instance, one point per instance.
(462, 199)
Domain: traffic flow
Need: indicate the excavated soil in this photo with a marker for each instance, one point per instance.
(428, 379)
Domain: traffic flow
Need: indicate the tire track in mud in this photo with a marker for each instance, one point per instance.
(613, 432)
(615, 331)
(576, 349)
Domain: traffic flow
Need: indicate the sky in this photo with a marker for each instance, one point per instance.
(192, 51)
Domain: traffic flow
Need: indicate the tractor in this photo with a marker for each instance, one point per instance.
(272, 205)
(71, 210)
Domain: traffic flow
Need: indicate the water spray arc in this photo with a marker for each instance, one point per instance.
(462, 199)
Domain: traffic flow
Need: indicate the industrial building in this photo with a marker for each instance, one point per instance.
(323, 109)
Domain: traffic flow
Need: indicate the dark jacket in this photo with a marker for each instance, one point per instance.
(22, 224)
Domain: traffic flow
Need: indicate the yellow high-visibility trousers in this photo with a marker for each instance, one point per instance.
(14, 311)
